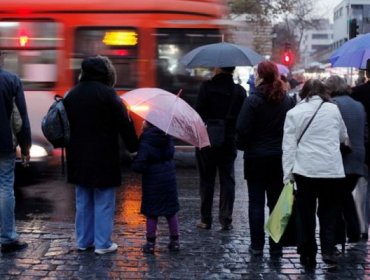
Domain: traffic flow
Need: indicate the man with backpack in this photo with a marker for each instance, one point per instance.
(11, 96)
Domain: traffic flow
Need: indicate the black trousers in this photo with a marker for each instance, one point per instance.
(264, 177)
(348, 208)
(210, 161)
(327, 193)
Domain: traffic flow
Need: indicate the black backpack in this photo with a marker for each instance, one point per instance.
(55, 125)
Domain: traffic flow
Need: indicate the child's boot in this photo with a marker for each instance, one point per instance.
(174, 245)
(148, 248)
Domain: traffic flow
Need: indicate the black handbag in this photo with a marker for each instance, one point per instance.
(346, 147)
(216, 128)
(216, 132)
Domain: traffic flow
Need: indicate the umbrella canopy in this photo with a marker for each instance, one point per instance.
(169, 113)
(353, 53)
(221, 55)
(283, 70)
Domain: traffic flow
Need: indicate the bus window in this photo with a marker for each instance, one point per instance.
(172, 45)
(31, 51)
(119, 44)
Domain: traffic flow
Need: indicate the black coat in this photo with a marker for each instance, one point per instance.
(260, 125)
(97, 118)
(155, 161)
(361, 93)
(217, 97)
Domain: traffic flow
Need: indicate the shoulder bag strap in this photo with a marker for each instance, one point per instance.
(310, 121)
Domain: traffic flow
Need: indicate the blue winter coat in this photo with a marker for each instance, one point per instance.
(155, 161)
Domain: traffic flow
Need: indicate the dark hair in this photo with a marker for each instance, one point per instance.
(314, 87)
(283, 78)
(337, 86)
(274, 88)
(228, 69)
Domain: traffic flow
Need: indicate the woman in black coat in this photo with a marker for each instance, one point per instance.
(154, 161)
(97, 118)
(259, 131)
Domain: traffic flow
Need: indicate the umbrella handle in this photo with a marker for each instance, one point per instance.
(178, 94)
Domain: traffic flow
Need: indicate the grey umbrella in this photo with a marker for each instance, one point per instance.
(221, 55)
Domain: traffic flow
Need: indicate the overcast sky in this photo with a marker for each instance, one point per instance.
(325, 7)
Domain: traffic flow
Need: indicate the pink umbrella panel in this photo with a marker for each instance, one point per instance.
(169, 113)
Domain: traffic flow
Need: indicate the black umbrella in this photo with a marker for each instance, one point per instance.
(221, 55)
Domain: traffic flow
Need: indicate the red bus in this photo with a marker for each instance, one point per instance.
(45, 42)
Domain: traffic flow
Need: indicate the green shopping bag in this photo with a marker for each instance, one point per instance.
(279, 218)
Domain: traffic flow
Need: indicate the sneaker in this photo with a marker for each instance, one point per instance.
(174, 246)
(148, 248)
(111, 249)
(83, 249)
(13, 246)
(255, 252)
(204, 225)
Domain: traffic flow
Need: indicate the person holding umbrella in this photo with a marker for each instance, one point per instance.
(155, 161)
(361, 94)
(219, 99)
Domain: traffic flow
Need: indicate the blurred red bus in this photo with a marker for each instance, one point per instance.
(46, 41)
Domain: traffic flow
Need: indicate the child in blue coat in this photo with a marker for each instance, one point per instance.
(154, 160)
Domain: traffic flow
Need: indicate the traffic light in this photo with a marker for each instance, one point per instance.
(288, 58)
(353, 28)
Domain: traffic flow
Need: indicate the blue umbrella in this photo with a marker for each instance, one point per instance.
(353, 53)
(221, 55)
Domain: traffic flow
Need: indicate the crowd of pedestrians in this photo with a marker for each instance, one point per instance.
(319, 142)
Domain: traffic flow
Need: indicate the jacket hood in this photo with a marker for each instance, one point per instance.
(161, 144)
(94, 69)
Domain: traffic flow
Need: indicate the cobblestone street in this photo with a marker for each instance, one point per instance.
(205, 254)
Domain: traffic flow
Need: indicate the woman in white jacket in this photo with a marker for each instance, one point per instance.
(312, 158)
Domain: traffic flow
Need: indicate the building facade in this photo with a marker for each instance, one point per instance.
(316, 41)
(346, 11)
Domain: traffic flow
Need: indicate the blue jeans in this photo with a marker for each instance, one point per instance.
(7, 198)
(94, 216)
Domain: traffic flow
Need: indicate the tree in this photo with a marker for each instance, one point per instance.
(293, 17)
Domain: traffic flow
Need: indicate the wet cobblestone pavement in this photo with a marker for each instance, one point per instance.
(205, 254)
